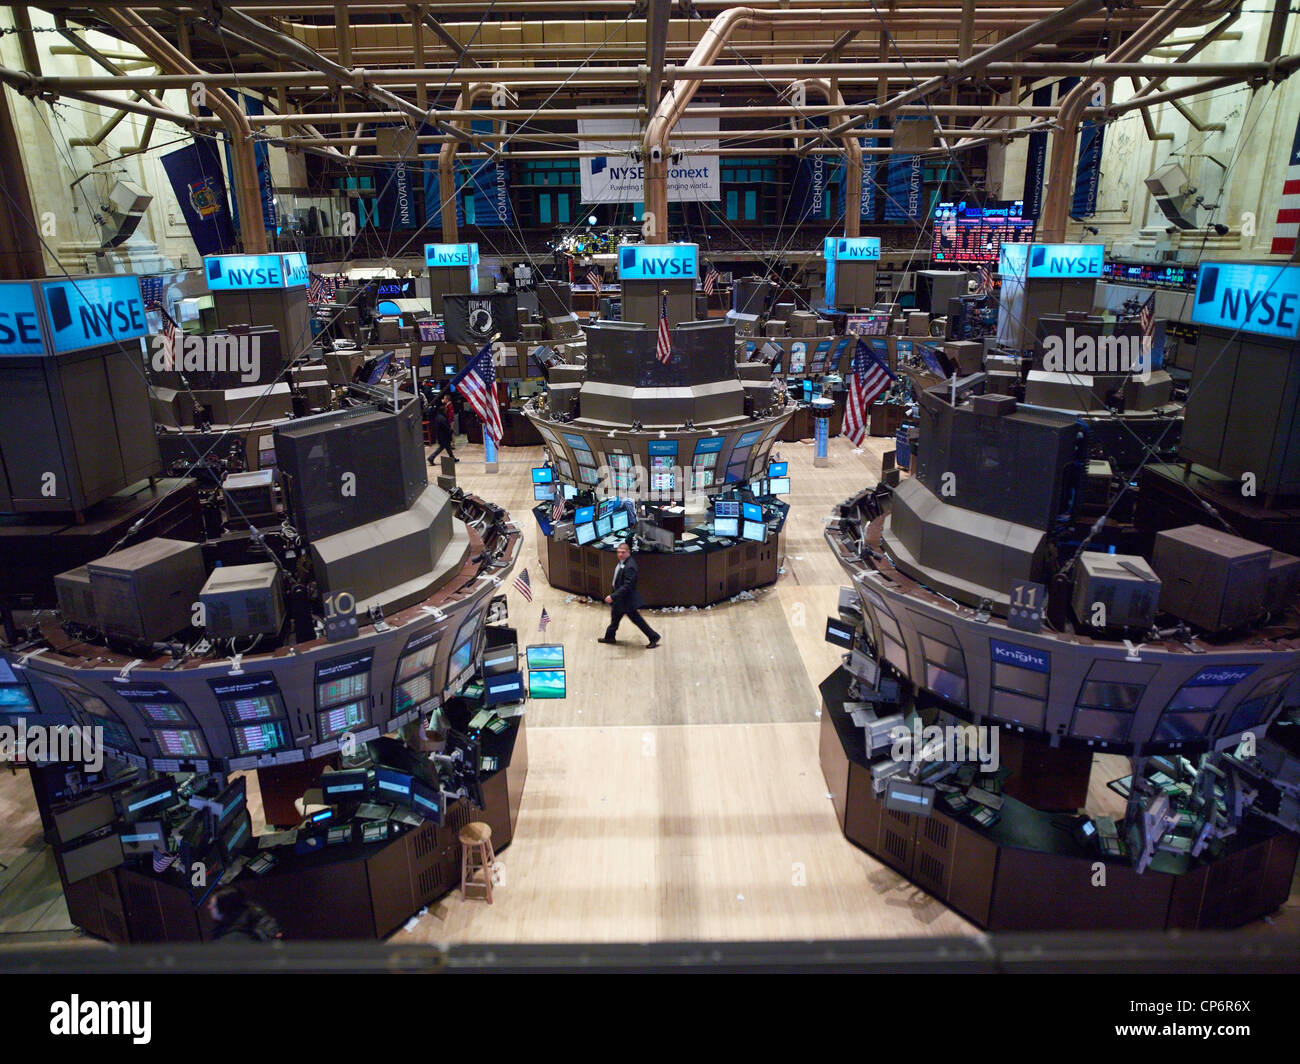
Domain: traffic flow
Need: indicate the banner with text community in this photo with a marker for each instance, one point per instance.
(615, 174)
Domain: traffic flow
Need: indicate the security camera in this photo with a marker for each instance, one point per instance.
(656, 154)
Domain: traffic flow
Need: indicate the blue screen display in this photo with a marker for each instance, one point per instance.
(1253, 298)
(584, 515)
(752, 511)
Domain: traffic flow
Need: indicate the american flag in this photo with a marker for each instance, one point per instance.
(984, 281)
(1147, 318)
(524, 586)
(870, 378)
(477, 382)
(168, 334)
(544, 620)
(1287, 227)
(557, 509)
(710, 279)
(593, 278)
(321, 289)
(665, 349)
(162, 861)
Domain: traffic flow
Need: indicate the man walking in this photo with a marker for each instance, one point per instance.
(441, 436)
(624, 601)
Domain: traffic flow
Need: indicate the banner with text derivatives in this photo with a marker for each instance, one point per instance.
(613, 175)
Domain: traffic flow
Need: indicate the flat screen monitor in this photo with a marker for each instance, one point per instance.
(726, 508)
(391, 785)
(266, 452)
(755, 530)
(570, 492)
(759, 489)
(543, 475)
(257, 739)
(144, 836)
(413, 692)
(148, 799)
(84, 817)
(839, 633)
(584, 515)
(231, 801)
(427, 801)
(544, 492)
(181, 743)
(461, 658)
(82, 862)
(545, 656)
(449, 371)
(237, 836)
(604, 525)
(778, 486)
(585, 533)
(726, 526)
(505, 687)
(902, 796)
(501, 659)
(778, 469)
(546, 683)
(618, 520)
(349, 786)
(752, 511)
(380, 368)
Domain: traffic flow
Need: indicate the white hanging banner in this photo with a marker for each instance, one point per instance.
(617, 177)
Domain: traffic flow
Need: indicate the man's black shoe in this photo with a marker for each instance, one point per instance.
(652, 644)
(602, 639)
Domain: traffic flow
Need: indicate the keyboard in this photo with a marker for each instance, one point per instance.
(277, 838)
(229, 875)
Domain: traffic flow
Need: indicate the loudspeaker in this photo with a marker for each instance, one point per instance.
(1173, 193)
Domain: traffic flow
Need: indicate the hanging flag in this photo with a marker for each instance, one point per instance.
(1087, 177)
(162, 861)
(1287, 226)
(593, 279)
(1036, 161)
(710, 279)
(870, 378)
(544, 620)
(200, 189)
(524, 586)
(477, 383)
(665, 348)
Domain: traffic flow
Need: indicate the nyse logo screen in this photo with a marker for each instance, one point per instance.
(857, 249)
(1258, 299)
(450, 254)
(90, 311)
(244, 272)
(658, 262)
(20, 324)
(1066, 261)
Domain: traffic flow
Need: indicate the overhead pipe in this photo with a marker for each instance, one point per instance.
(1052, 220)
(447, 165)
(244, 169)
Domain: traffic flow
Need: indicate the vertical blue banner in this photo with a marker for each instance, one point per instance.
(1036, 162)
(1087, 176)
(869, 178)
(904, 189)
(196, 178)
(822, 433)
(262, 154)
(490, 179)
(396, 206)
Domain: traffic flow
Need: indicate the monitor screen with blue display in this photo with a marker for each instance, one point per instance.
(777, 469)
(543, 492)
(658, 262)
(392, 785)
(450, 254)
(506, 687)
(350, 786)
(546, 683)
(726, 526)
(1250, 297)
(604, 526)
(92, 311)
(755, 530)
(851, 249)
(1067, 262)
(585, 533)
(584, 515)
(620, 520)
(570, 492)
(752, 511)
(778, 486)
(726, 508)
(543, 475)
(247, 273)
(461, 658)
(545, 656)
(427, 801)
(20, 323)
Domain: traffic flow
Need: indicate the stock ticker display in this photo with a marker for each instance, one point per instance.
(972, 234)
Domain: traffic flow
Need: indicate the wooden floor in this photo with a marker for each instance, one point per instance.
(676, 793)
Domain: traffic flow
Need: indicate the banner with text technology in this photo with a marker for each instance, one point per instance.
(615, 177)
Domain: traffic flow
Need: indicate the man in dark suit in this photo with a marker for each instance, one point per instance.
(624, 601)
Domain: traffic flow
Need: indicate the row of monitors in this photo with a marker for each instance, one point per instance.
(385, 785)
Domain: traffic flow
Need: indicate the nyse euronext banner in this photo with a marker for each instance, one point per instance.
(614, 175)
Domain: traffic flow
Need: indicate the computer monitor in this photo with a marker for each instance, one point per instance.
(501, 659)
(504, 687)
(543, 475)
(758, 488)
(778, 486)
(544, 492)
(902, 796)
(449, 371)
(755, 530)
(427, 801)
(778, 469)
(619, 520)
(392, 785)
(266, 451)
(84, 817)
(350, 786)
(231, 801)
(751, 511)
(98, 855)
(237, 836)
(726, 526)
(584, 515)
(726, 508)
(148, 799)
(839, 633)
(546, 683)
(604, 525)
(570, 492)
(144, 836)
(585, 533)
(461, 658)
(545, 656)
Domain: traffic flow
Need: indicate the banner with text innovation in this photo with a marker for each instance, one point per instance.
(396, 207)
(614, 176)
(200, 188)
(1036, 161)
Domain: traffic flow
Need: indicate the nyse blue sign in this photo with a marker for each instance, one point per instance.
(1066, 261)
(1258, 299)
(296, 274)
(91, 311)
(20, 323)
(233, 273)
(852, 249)
(659, 262)
(451, 254)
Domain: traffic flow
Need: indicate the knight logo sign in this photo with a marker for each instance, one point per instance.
(614, 175)
(1249, 297)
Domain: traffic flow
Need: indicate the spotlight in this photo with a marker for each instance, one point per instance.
(1221, 229)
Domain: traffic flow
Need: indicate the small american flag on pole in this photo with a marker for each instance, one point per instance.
(593, 278)
(984, 281)
(557, 509)
(870, 378)
(710, 279)
(168, 335)
(1147, 318)
(162, 861)
(544, 620)
(524, 586)
(664, 351)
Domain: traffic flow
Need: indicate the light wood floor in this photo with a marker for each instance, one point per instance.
(676, 793)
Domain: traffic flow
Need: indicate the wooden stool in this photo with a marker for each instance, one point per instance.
(476, 854)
